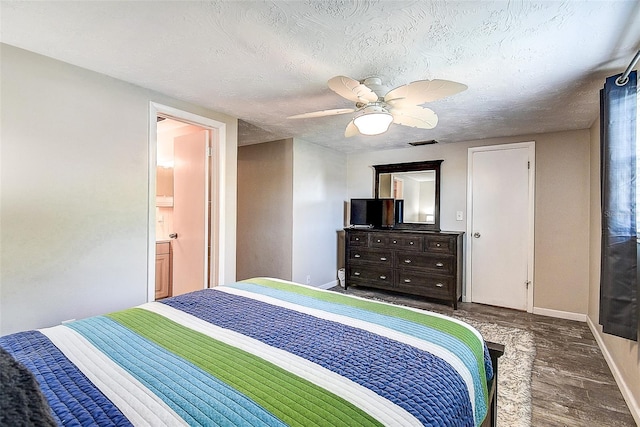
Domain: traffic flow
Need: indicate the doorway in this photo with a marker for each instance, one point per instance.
(500, 225)
(185, 202)
(182, 218)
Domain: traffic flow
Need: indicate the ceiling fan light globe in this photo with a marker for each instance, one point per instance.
(373, 123)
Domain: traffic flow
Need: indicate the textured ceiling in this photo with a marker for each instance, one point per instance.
(531, 66)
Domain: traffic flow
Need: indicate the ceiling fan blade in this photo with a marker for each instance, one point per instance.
(352, 89)
(422, 91)
(323, 113)
(417, 117)
(351, 130)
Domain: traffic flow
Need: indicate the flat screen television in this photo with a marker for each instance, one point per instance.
(377, 213)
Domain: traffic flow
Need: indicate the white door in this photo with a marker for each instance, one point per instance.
(190, 216)
(500, 228)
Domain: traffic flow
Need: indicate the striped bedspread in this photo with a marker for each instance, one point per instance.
(261, 352)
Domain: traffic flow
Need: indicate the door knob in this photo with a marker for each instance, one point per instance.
(476, 235)
(173, 235)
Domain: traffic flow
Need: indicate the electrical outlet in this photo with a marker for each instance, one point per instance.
(459, 216)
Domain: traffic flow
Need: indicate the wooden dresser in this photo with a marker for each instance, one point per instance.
(426, 263)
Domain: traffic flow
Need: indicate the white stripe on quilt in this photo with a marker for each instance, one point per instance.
(432, 348)
(141, 406)
(385, 411)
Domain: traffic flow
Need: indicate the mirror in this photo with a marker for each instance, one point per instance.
(164, 186)
(418, 185)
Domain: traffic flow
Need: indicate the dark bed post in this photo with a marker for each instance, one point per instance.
(495, 351)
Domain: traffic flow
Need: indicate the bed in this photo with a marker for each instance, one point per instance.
(259, 352)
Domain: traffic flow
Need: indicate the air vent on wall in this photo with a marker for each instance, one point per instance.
(429, 142)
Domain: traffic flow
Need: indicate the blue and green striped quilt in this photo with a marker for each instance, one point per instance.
(260, 352)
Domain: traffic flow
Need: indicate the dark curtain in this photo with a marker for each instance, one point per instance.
(618, 281)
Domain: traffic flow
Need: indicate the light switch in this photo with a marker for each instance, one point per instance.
(459, 216)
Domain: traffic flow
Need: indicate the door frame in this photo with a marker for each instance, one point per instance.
(530, 145)
(216, 190)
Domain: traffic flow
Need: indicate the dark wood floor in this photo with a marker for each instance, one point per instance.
(572, 384)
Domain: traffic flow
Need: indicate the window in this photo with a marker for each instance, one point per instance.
(638, 169)
(620, 163)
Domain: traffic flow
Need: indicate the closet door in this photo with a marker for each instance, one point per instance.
(500, 234)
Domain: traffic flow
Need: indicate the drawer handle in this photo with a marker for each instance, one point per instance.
(439, 264)
(356, 273)
(411, 243)
(407, 280)
(356, 256)
(439, 285)
(383, 277)
(357, 239)
(395, 241)
(438, 244)
(407, 261)
(382, 258)
(378, 240)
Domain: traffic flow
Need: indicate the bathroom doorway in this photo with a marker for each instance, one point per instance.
(182, 217)
(185, 195)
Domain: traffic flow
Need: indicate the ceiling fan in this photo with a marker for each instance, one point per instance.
(379, 107)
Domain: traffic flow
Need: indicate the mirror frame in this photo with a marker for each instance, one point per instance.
(433, 165)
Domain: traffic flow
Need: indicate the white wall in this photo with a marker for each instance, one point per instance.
(561, 207)
(74, 191)
(265, 210)
(319, 195)
(291, 211)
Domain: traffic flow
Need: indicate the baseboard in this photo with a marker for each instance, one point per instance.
(634, 406)
(560, 314)
(328, 285)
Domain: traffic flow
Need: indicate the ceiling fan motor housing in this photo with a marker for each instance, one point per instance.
(375, 84)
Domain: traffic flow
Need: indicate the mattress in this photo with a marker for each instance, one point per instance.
(260, 352)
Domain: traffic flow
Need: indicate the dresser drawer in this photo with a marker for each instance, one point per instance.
(363, 274)
(405, 243)
(382, 258)
(427, 262)
(430, 285)
(378, 240)
(358, 238)
(440, 244)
